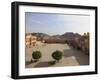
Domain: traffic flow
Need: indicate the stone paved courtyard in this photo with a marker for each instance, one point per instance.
(72, 57)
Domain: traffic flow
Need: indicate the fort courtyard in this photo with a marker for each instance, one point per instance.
(72, 56)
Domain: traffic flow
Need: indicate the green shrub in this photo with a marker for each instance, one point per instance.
(36, 55)
(57, 55)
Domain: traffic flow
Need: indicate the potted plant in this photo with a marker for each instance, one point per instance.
(36, 55)
(57, 55)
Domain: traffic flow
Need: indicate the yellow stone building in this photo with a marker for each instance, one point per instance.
(30, 40)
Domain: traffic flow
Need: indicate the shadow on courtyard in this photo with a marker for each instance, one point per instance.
(81, 57)
(44, 64)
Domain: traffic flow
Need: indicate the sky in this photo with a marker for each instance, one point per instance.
(54, 24)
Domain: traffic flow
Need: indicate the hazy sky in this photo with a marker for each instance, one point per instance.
(53, 24)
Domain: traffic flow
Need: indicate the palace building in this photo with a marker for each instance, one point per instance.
(30, 40)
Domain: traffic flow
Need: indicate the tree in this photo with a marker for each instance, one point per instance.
(36, 55)
(57, 55)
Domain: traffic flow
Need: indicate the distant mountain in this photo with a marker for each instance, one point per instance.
(41, 35)
(56, 36)
(70, 35)
(65, 36)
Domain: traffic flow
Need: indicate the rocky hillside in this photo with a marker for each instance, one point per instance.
(70, 35)
(65, 36)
